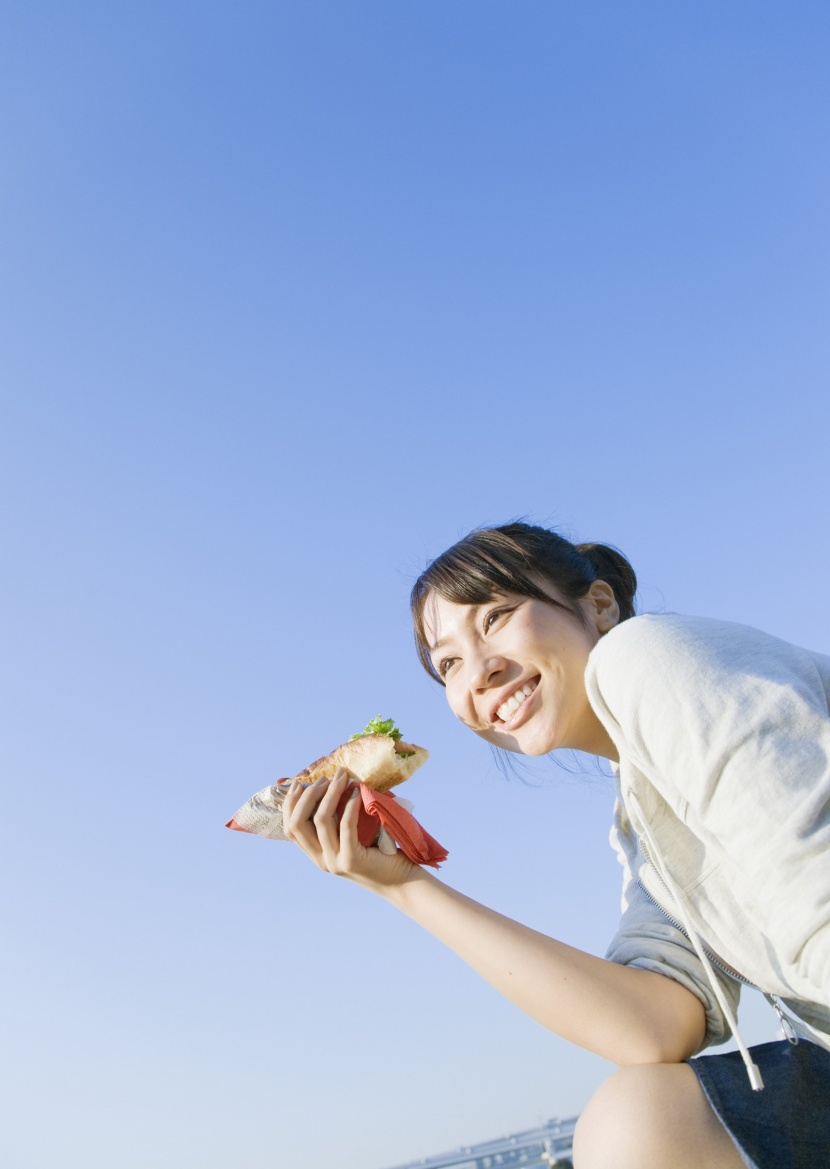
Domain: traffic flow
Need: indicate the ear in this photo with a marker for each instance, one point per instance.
(601, 606)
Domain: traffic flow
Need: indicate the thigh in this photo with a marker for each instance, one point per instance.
(650, 1117)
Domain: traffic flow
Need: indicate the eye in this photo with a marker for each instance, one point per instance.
(492, 616)
(444, 665)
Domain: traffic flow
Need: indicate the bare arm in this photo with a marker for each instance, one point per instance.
(626, 1015)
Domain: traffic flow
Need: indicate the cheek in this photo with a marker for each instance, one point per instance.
(452, 700)
(459, 708)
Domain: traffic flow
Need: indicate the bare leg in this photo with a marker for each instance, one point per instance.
(652, 1116)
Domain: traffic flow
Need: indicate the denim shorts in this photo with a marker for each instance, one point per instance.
(785, 1126)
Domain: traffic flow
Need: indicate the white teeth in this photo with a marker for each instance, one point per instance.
(512, 704)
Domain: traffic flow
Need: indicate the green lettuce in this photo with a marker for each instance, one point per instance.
(382, 726)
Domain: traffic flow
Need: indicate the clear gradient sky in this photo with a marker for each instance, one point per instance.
(295, 294)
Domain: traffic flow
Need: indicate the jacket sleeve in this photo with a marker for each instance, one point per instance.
(731, 727)
(648, 939)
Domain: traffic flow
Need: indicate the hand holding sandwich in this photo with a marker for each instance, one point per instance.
(306, 811)
(311, 819)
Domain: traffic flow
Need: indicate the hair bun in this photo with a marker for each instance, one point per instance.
(611, 566)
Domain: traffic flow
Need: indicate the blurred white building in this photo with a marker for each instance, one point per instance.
(546, 1147)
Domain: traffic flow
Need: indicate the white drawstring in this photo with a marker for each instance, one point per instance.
(752, 1069)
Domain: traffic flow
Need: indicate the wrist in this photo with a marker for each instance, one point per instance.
(404, 894)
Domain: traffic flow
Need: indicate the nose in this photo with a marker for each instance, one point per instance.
(485, 671)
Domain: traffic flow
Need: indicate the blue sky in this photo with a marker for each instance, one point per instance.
(296, 294)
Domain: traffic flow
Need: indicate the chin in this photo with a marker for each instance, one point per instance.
(534, 750)
(513, 743)
(530, 747)
(537, 744)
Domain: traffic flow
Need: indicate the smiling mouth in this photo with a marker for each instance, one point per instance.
(516, 701)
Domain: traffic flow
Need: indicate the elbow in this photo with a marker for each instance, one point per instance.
(672, 1040)
(649, 1044)
(659, 1049)
(671, 1026)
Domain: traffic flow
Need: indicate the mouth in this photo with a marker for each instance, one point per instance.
(513, 708)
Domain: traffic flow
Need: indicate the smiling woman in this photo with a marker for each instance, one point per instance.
(514, 667)
(521, 595)
(523, 559)
(720, 739)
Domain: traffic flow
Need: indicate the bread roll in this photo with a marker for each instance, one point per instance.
(376, 760)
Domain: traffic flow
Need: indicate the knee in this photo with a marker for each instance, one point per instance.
(624, 1118)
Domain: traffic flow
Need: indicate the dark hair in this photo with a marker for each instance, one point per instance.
(519, 558)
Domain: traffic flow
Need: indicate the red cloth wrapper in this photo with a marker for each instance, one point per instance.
(411, 838)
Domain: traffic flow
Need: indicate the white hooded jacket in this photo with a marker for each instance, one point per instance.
(722, 821)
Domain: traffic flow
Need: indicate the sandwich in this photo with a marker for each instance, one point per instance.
(376, 759)
(376, 756)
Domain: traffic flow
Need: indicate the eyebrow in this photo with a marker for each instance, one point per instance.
(442, 641)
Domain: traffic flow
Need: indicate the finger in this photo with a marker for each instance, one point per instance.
(297, 822)
(289, 799)
(309, 797)
(326, 819)
(349, 843)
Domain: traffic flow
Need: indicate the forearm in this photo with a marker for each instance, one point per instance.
(626, 1015)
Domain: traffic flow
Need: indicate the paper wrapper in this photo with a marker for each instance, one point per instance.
(384, 821)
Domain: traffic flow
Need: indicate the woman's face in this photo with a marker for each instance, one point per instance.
(514, 668)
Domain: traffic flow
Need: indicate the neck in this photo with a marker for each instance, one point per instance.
(595, 740)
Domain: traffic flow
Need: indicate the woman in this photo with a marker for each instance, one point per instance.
(719, 737)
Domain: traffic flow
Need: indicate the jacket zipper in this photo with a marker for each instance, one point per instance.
(786, 1026)
(712, 957)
